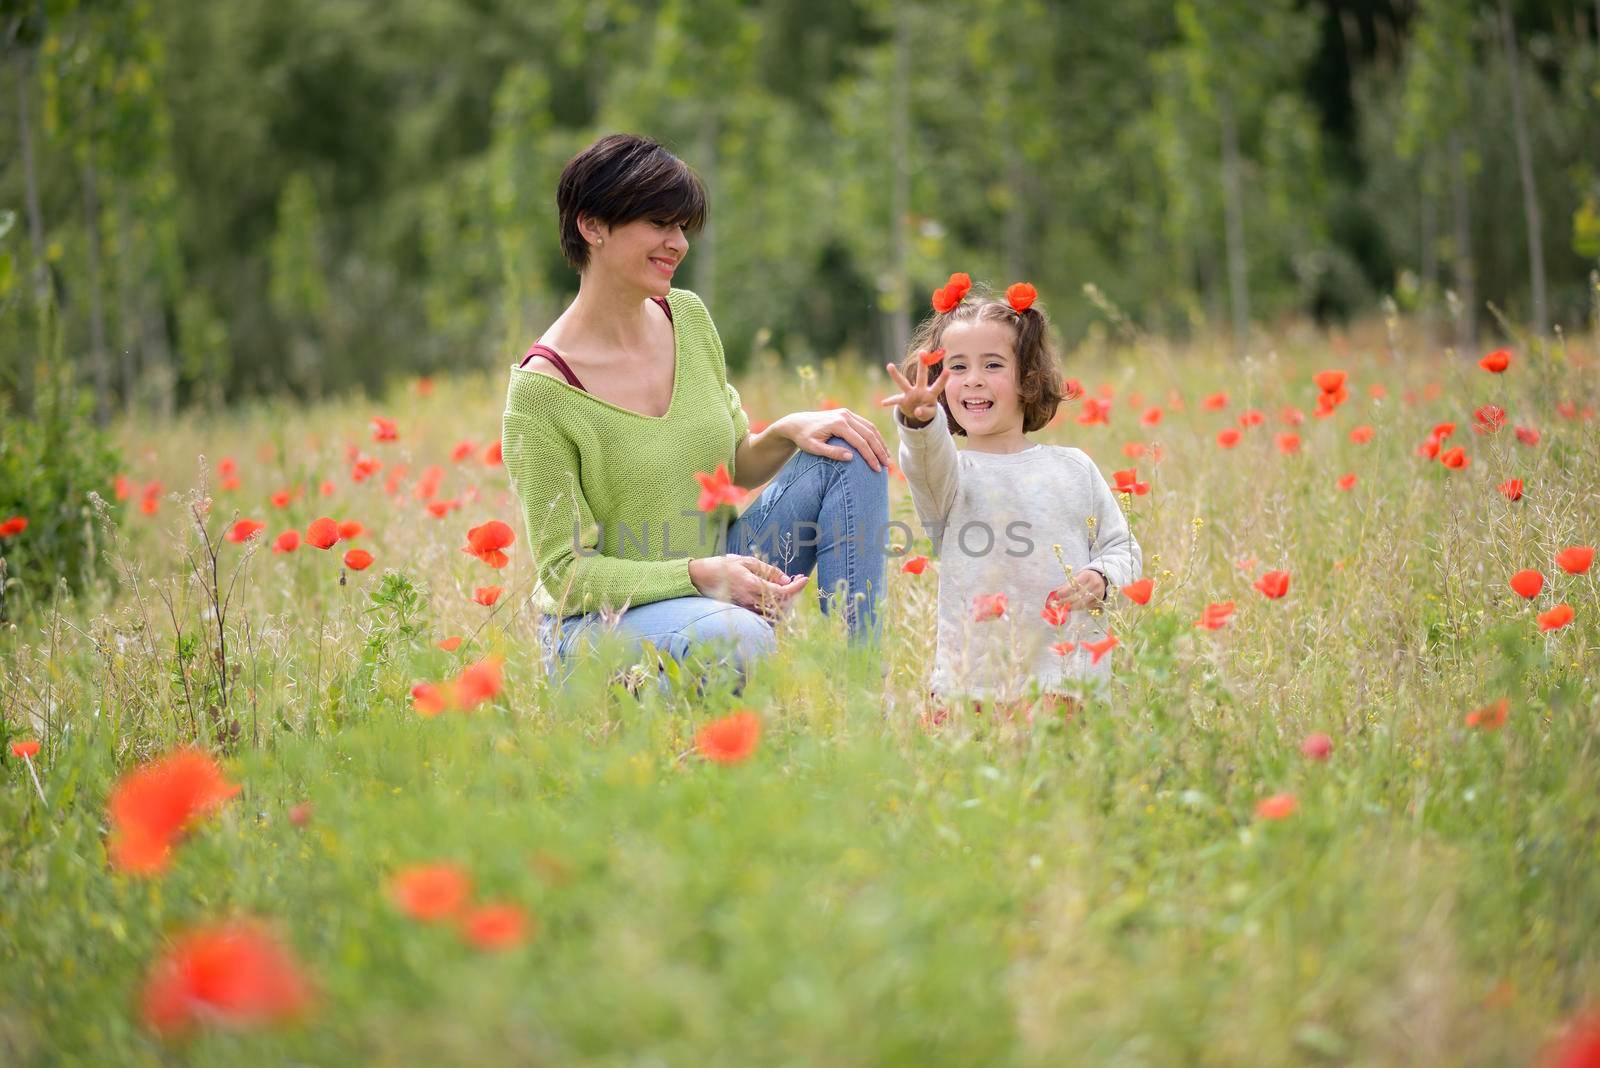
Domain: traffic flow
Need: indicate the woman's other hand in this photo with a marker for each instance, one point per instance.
(747, 582)
(918, 401)
(810, 432)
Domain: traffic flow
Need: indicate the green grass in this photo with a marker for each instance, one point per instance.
(864, 890)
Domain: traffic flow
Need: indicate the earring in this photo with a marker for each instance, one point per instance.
(599, 240)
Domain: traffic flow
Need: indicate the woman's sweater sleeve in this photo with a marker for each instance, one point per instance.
(741, 419)
(1117, 555)
(563, 535)
(932, 469)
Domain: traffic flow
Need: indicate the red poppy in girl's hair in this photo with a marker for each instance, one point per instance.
(717, 489)
(1527, 583)
(1496, 362)
(1556, 618)
(234, 975)
(1490, 717)
(730, 739)
(1511, 488)
(1215, 615)
(156, 802)
(488, 542)
(358, 559)
(989, 606)
(1228, 437)
(431, 892)
(1273, 584)
(960, 283)
(1330, 381)
(322, 533)
(1575, 559)
(1455, 458)
(915, 566)
(1021, 295)
(1100, 648)
(287, 542)
(1361, 434)
(384, 429)
(242, 531)
(487, 595)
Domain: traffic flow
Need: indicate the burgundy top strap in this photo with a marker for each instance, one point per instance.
(561, 365)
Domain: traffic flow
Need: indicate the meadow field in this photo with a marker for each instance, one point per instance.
(1355, 823)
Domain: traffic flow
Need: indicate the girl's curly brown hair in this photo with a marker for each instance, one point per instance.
(1038, 379)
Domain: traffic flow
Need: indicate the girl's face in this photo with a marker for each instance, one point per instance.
(982, 388)
(643, 253)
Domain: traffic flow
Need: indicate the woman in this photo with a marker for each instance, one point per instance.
(625, 400)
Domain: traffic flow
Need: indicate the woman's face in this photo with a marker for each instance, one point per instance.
(643, 253)
(982, 389)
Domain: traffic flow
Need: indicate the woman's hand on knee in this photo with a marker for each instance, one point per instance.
(747, 582)
(811, 431)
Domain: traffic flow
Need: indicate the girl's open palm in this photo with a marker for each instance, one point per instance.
(917, 401)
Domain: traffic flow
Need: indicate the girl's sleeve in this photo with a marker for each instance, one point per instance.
(1117, 555)
(562, 533)
(929, 459)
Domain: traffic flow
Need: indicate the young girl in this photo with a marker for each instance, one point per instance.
(1029, 536)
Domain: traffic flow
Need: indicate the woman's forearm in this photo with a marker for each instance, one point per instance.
(760, 456)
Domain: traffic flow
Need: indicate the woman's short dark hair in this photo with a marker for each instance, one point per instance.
(620, 178)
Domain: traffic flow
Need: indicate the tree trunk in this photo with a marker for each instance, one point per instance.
(900, 193)
(97, 312)
(1530, 194)
(1233, 210)
(1465, 273)
(705, 261)
(127, 315)
(41, 271)
(1430, 256)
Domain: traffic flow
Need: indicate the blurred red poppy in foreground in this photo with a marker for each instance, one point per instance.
(1215, 615)
(717, 489)
(450, 644)
(1556, 618)
(730, 739)
(431, 892)
(1139, 592)
(1578, 1046)
(487, 595)
(1273, 584)
(496, 926)
(154, 804)
(25, 750)
(488, 542)
(1490, 717)
(1277, 807)
(1098, 649)
(478, 682)
(1496, 362)
(988, 606)
(13, 526)
(915, 566)
(1317, 747)
(232, 975)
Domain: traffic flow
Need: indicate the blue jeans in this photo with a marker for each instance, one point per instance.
(831, 515)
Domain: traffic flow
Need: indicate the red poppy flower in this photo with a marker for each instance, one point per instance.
(1330, 381)
(1527, 583)
(1228, 437)
(1577, 1047)
(1556, 618)
(384, 429)
(1317, 747)
(1291, 416)
(491, 454)
(1496, 362)
(1057, 609)
(287, 542)
(717, 489)
(1139, 592)
(1347, 482)
(487, 595)
(478, 683)
(1215, 402)
(1490, 717)
(1100, 648)
(1527, 435)
(427, 486)
(495, 926)
(423, 386)
(152, 805)
(25, 750)
(350, 529)
(1063, 648)
(915, 566)
(1575, 559)
(1277, 807)
(281, 499)
(1021, 295)
(431, 892)
(358, 559)
(1441, 431)
(429, 699)
(244, 530)
(300, 814)
(234, 975)
(1488, 418)
(1134, 449)
(1288, 444)
(945, 299)
(1273, 584)
(1429, 449)
(450, 644)
(322, 533)
(1362, 434)
(730, 739)
(122, 487)
(488, 542)
(1128, 482)
(13, 526)
(1215, 615)
(364, 468)
(1511, 488)
(1071, 389)
(1094, 411)
(462, 450)
(440, 509)
(1151, 416)
(327, 488)
(1455, 458)
(1250, 417)
(989, 606)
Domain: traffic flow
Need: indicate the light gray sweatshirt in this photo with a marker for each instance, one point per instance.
(994, 521)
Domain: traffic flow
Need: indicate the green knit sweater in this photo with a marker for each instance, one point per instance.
(609, 497)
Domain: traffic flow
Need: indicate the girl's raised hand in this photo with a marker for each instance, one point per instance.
(918, 402)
